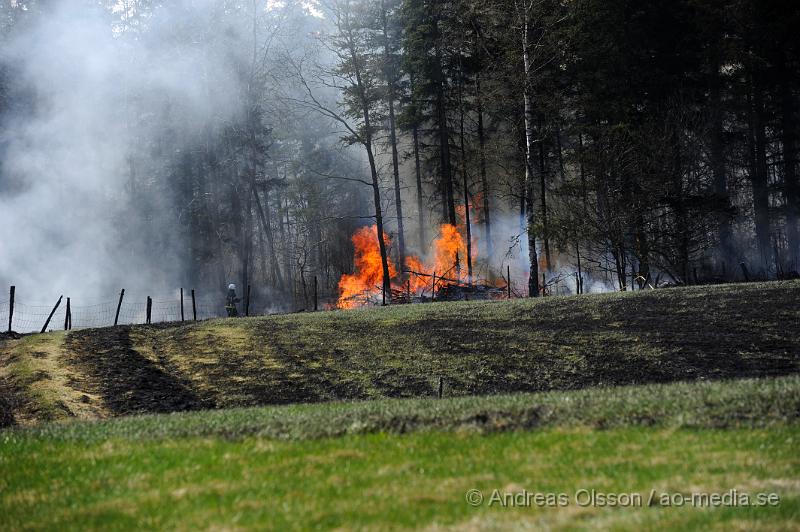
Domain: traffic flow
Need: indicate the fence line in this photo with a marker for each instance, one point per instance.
(31, 317)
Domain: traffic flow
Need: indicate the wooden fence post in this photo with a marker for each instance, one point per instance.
(149, 309)
(408, 289)
(194, 307)
(508, 275)
(544, 286)
(11, 307)
(181, 303)
(247, 300)
(441, 386)
(66, 317)
(316, 296)
(119, 306)
(50, 317)
(433, 289)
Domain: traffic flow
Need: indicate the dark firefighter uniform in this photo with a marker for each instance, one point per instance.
(230, 302)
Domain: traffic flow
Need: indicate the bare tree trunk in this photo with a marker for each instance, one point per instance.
(543, 191)
(418, 175)
(523, 202)
(376, 190)
(679, 207)
(758, 175)
(376, 193)
(266, 223)
(642, 249)
(465, 178)
(444, 134)
(290, 273)
(390, 96)
(285, 243)
(618, 253)
(560, 153)
(248, 242)
(533, 279)
(487, 224)
(791, 190)
(263, 253)
(420, 210)
(718, 161)
(582, 169)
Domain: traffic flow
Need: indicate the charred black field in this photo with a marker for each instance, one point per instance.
(473, 348)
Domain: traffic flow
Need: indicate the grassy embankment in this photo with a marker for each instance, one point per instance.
(719, 332)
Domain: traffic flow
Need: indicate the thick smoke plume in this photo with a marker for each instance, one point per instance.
(73, 217)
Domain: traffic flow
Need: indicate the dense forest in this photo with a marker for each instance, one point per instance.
(613, 144)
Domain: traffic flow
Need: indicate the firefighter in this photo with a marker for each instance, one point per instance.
(231, 300)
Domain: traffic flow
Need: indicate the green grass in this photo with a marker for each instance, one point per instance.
(380, 481)
(478, 348)
(393, 464)
(748, 403)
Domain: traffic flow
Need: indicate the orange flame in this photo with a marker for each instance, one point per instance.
(418, 283)
(447, 258)
(449, 252)
(366, 282)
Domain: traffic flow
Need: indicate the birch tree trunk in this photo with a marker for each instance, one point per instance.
(533, 279)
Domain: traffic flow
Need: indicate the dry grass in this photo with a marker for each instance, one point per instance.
(41, 385)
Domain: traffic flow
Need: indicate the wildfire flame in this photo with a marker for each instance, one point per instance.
(366, 281)
(447, 259)
(449, 253)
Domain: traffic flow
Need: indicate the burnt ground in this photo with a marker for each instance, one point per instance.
(559, 343)
(10, 402)
(127, 381)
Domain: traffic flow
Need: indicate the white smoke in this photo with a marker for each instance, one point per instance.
(99, 97)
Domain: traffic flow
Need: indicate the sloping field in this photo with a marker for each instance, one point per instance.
(477, 348)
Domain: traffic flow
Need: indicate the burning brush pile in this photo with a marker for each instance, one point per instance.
(443, 275)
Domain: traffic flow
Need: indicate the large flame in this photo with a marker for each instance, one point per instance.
(446, 259)
(449, 253)
(366, 281)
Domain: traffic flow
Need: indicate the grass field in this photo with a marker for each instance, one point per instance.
(649, 394)
(478, 348)
(399, 463)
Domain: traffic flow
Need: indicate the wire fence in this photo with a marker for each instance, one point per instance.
(31, 317)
